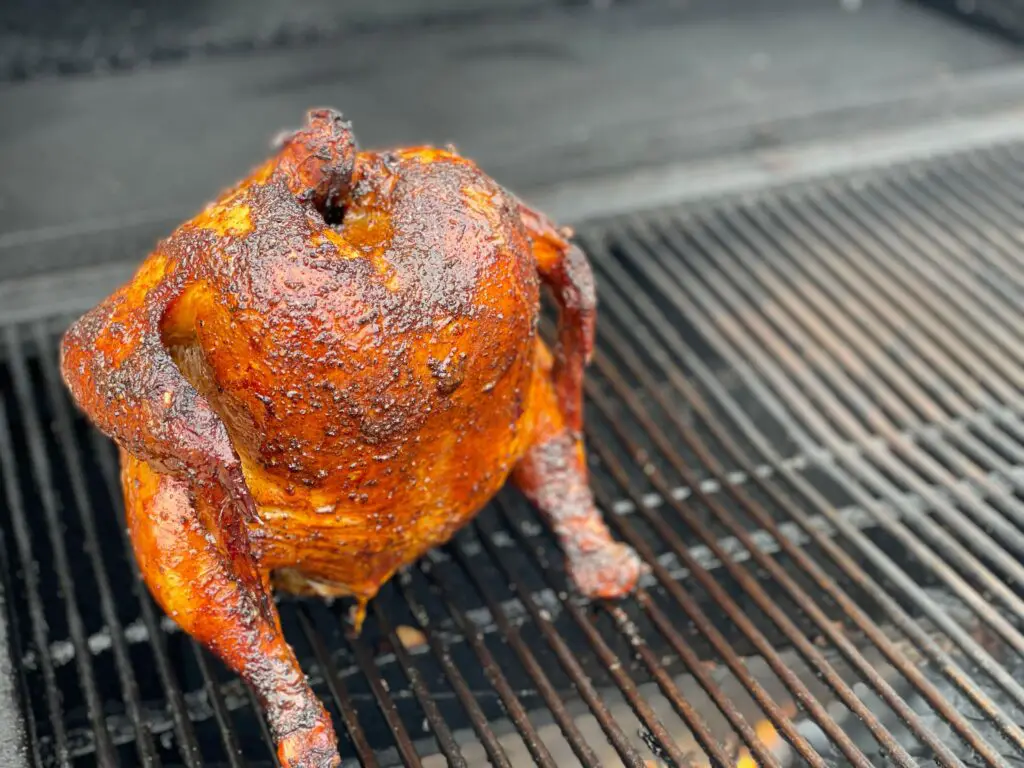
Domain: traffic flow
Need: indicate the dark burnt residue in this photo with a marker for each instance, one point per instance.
(448, 372)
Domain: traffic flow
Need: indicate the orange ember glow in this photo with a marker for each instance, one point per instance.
(769, 737)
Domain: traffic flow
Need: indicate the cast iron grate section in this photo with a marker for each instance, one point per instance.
(804, 412)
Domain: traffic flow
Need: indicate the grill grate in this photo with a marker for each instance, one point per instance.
(804, 412)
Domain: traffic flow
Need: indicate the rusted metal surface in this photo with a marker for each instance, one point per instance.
(804, 413)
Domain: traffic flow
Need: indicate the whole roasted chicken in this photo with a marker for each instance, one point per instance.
(326, 373)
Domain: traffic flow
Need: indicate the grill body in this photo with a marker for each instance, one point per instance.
(805, 414)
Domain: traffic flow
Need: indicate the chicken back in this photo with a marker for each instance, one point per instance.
(326, 373)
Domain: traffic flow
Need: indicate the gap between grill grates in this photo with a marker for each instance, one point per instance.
(804, 412)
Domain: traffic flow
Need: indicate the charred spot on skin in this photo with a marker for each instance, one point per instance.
(449, 372)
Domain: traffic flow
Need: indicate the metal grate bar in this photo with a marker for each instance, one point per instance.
(751, 433)
(385, 703)
(61, 563)
(892, 323)
(220, 711)
(657, 323)
(721, 645)
(985, 248)
(339, 692)
(765, 603)
(623, 353)
(727, 707)
(951, 549)
(961, 354)
(944, 363)
(926, 408)
(998, 168)
(510, 632)
(510, 702)
(495, 752)
(607, 656)
(625, 395)
(930, 466)
(925, 522)
(22, 539)
(686, 711)
(1014, 511)
(62, 426)
(970, 313)
(567, 659)
(20, 730)
(446, 741)
(942, 288)
(808, 605)
(887, 458)
(264, 728)
(622, 391)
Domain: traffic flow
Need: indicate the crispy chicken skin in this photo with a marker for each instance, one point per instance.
(326, 373)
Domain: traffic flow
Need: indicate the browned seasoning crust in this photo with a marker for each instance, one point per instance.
(323, 401)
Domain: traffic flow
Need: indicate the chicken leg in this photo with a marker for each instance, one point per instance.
(553, 472)
(184, 561)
